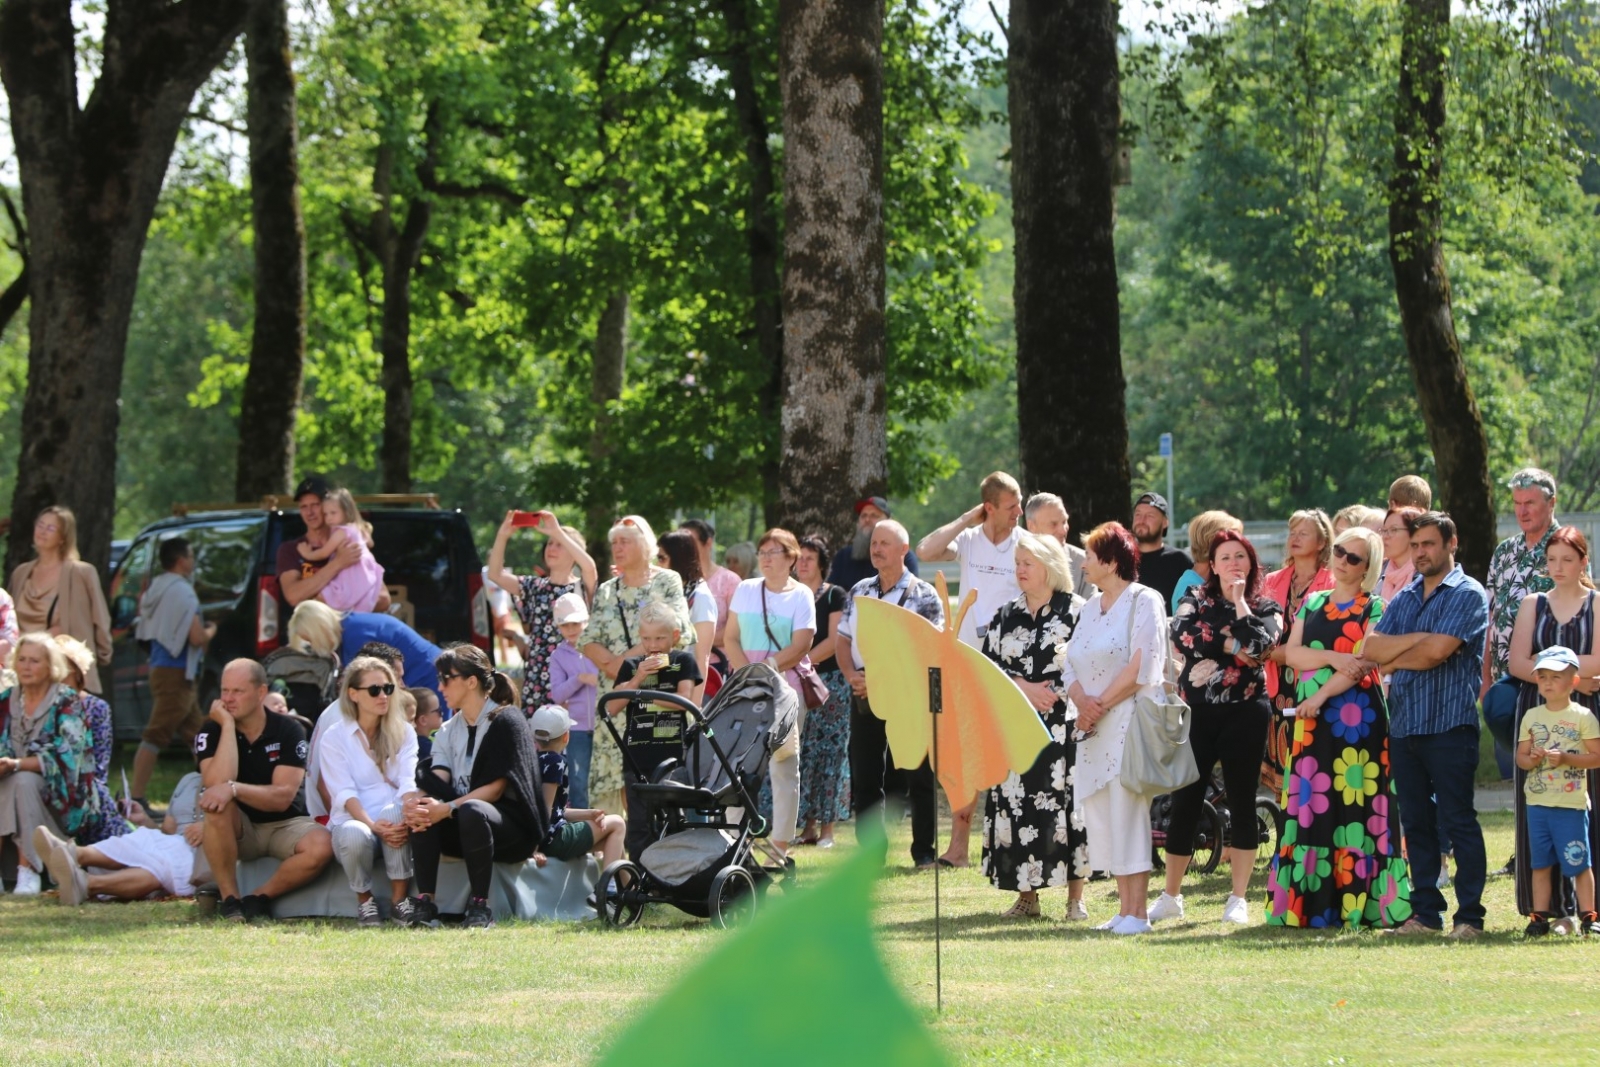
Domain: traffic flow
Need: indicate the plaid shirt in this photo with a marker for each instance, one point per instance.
(910, 592)
(1433, 701)
(1515, 571)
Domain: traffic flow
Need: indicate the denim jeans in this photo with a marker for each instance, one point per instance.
(580, 749)
(1433, 775)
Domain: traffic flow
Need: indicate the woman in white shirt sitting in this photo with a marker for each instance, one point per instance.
(368, 763)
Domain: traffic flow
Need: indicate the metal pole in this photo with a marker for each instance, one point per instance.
(1166, 454)
(935, 708)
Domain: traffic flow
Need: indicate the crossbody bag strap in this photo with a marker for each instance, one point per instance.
(627, 635)
(776, 648)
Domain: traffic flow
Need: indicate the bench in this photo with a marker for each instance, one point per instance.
(517, 890)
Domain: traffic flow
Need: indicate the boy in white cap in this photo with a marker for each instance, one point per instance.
(573, 831)
(1558, 742)
(573, 685)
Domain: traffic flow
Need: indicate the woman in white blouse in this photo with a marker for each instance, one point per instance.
(368, 761)
(1118, 649)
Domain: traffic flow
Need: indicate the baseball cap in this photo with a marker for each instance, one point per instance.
(550, 722)
(1157, 501)
(569, 607)
(315, 484)
(874, 501)
(1556, 658)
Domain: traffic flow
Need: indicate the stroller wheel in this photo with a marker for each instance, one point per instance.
(620, 894)
(733, 897)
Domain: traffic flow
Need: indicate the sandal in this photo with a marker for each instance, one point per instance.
(1022, 909)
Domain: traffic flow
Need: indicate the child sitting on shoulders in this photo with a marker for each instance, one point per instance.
(1559, 742)
(359, 587)
(573, 831)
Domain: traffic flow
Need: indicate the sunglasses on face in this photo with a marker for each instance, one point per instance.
(387, 689)
(446, 676)
(1348, 556)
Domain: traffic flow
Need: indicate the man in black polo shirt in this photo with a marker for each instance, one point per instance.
(252, 770)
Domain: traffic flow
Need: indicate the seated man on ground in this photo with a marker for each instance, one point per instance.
(253, 766)
(573, 831)
(137, 865)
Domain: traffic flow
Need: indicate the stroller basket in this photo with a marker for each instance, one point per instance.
(679, 859)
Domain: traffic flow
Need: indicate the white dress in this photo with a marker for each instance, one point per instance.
(1097, 653)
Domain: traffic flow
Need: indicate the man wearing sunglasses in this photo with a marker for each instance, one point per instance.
(253, 768)
(1431, 642)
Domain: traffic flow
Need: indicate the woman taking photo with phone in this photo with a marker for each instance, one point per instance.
(570, 568)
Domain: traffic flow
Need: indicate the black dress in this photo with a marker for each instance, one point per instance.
(1033, 837)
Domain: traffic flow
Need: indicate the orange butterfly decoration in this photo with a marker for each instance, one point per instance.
(988, 727)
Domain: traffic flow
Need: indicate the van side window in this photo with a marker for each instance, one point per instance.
(131, 580)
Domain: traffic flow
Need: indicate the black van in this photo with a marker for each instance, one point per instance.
(430, 564)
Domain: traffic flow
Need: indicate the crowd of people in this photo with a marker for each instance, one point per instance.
(1348, 683)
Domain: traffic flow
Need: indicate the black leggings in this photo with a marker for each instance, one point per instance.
(480, 834)
(1235, 734)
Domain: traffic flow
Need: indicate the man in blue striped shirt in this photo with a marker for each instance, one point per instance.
(1431, 641)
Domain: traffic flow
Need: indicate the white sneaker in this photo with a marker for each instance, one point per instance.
(1132, 924)
(1236, 910)
(27, 882)
(1076, 912)
(1167, 907)
(1111, 923)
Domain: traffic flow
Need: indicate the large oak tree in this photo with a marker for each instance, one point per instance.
(91, 174)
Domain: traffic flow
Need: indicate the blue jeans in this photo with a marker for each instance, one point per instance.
(1500, 716)
(580, 747)
(1442, 766)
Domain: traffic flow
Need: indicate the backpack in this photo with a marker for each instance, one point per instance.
(308, 680)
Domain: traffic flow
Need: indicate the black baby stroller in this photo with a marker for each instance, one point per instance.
(691, 769)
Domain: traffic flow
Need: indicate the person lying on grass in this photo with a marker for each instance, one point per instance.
(137, 865)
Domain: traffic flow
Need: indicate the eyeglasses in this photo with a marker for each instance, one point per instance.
(1348, 556)
(387, 689)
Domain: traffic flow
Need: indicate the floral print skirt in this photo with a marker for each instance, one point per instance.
(1338, 861)
(1033, 834)
(825, 747)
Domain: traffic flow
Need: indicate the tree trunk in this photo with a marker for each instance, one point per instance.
(1065, 110)
(12, 298)
(835, 431)
(762, 239)
(610, 366)
(271, 396)
(90, 180)
(1422, 286)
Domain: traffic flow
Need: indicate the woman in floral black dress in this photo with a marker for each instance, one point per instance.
(1032, 837)
(1224, 631)
(571, 570)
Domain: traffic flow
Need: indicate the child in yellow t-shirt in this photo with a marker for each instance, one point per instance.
(1559, 741)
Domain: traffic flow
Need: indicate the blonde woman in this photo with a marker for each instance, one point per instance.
(107, 821)
(1310, 548)
(1202, 528)
(612, 635)
(46, 756)
(58, 593)
(368, 762)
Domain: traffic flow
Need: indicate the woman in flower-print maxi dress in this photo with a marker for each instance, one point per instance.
(1338, 861)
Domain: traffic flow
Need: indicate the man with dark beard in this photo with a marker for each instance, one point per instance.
(853, 562)
(1160, 567)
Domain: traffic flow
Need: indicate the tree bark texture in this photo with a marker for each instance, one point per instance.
(762, 239)
(271, 397)
(91, 176)
(835, 430)
(1065, 111)
(605, 389)
(1422, 285)
(12, 298)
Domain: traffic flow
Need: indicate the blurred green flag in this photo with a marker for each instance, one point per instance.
(742, 998)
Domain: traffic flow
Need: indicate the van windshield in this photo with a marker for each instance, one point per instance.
(224, 555)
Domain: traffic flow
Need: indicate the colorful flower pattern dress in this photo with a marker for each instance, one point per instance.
(108, 822)
(535, 604)
(1339, 861)
(65, 751)
(825, 769)
(1033, 834)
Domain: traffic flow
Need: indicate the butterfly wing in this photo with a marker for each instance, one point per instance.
(988, 728)
(898, 646)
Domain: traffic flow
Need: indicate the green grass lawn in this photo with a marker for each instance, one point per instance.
(149, 982)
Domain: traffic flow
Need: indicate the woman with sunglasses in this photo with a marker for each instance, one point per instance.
(1309, 547)
(482, 798)
(368, 762)
(1339, 861)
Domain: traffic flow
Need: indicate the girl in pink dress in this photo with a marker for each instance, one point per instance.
(359, 587)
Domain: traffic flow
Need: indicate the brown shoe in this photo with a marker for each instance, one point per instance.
(1465, 932)
(1410, 928)
(1024, 908)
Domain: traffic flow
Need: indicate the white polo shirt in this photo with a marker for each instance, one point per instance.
(989, 568)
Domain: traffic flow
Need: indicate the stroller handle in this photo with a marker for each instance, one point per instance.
(653, 697)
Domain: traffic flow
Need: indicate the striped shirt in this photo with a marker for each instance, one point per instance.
(1433, 701)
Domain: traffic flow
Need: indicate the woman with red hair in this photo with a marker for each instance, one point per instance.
(1117, 651)
(1565, 615)
(1223, 631)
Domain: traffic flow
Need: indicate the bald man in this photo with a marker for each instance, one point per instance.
(869, 743)
(252, 771)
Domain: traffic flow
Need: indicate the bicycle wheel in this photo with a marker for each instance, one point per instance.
(1208, 838)
(1269, 830)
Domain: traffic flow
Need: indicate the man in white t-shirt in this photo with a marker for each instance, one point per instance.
(984, 541)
